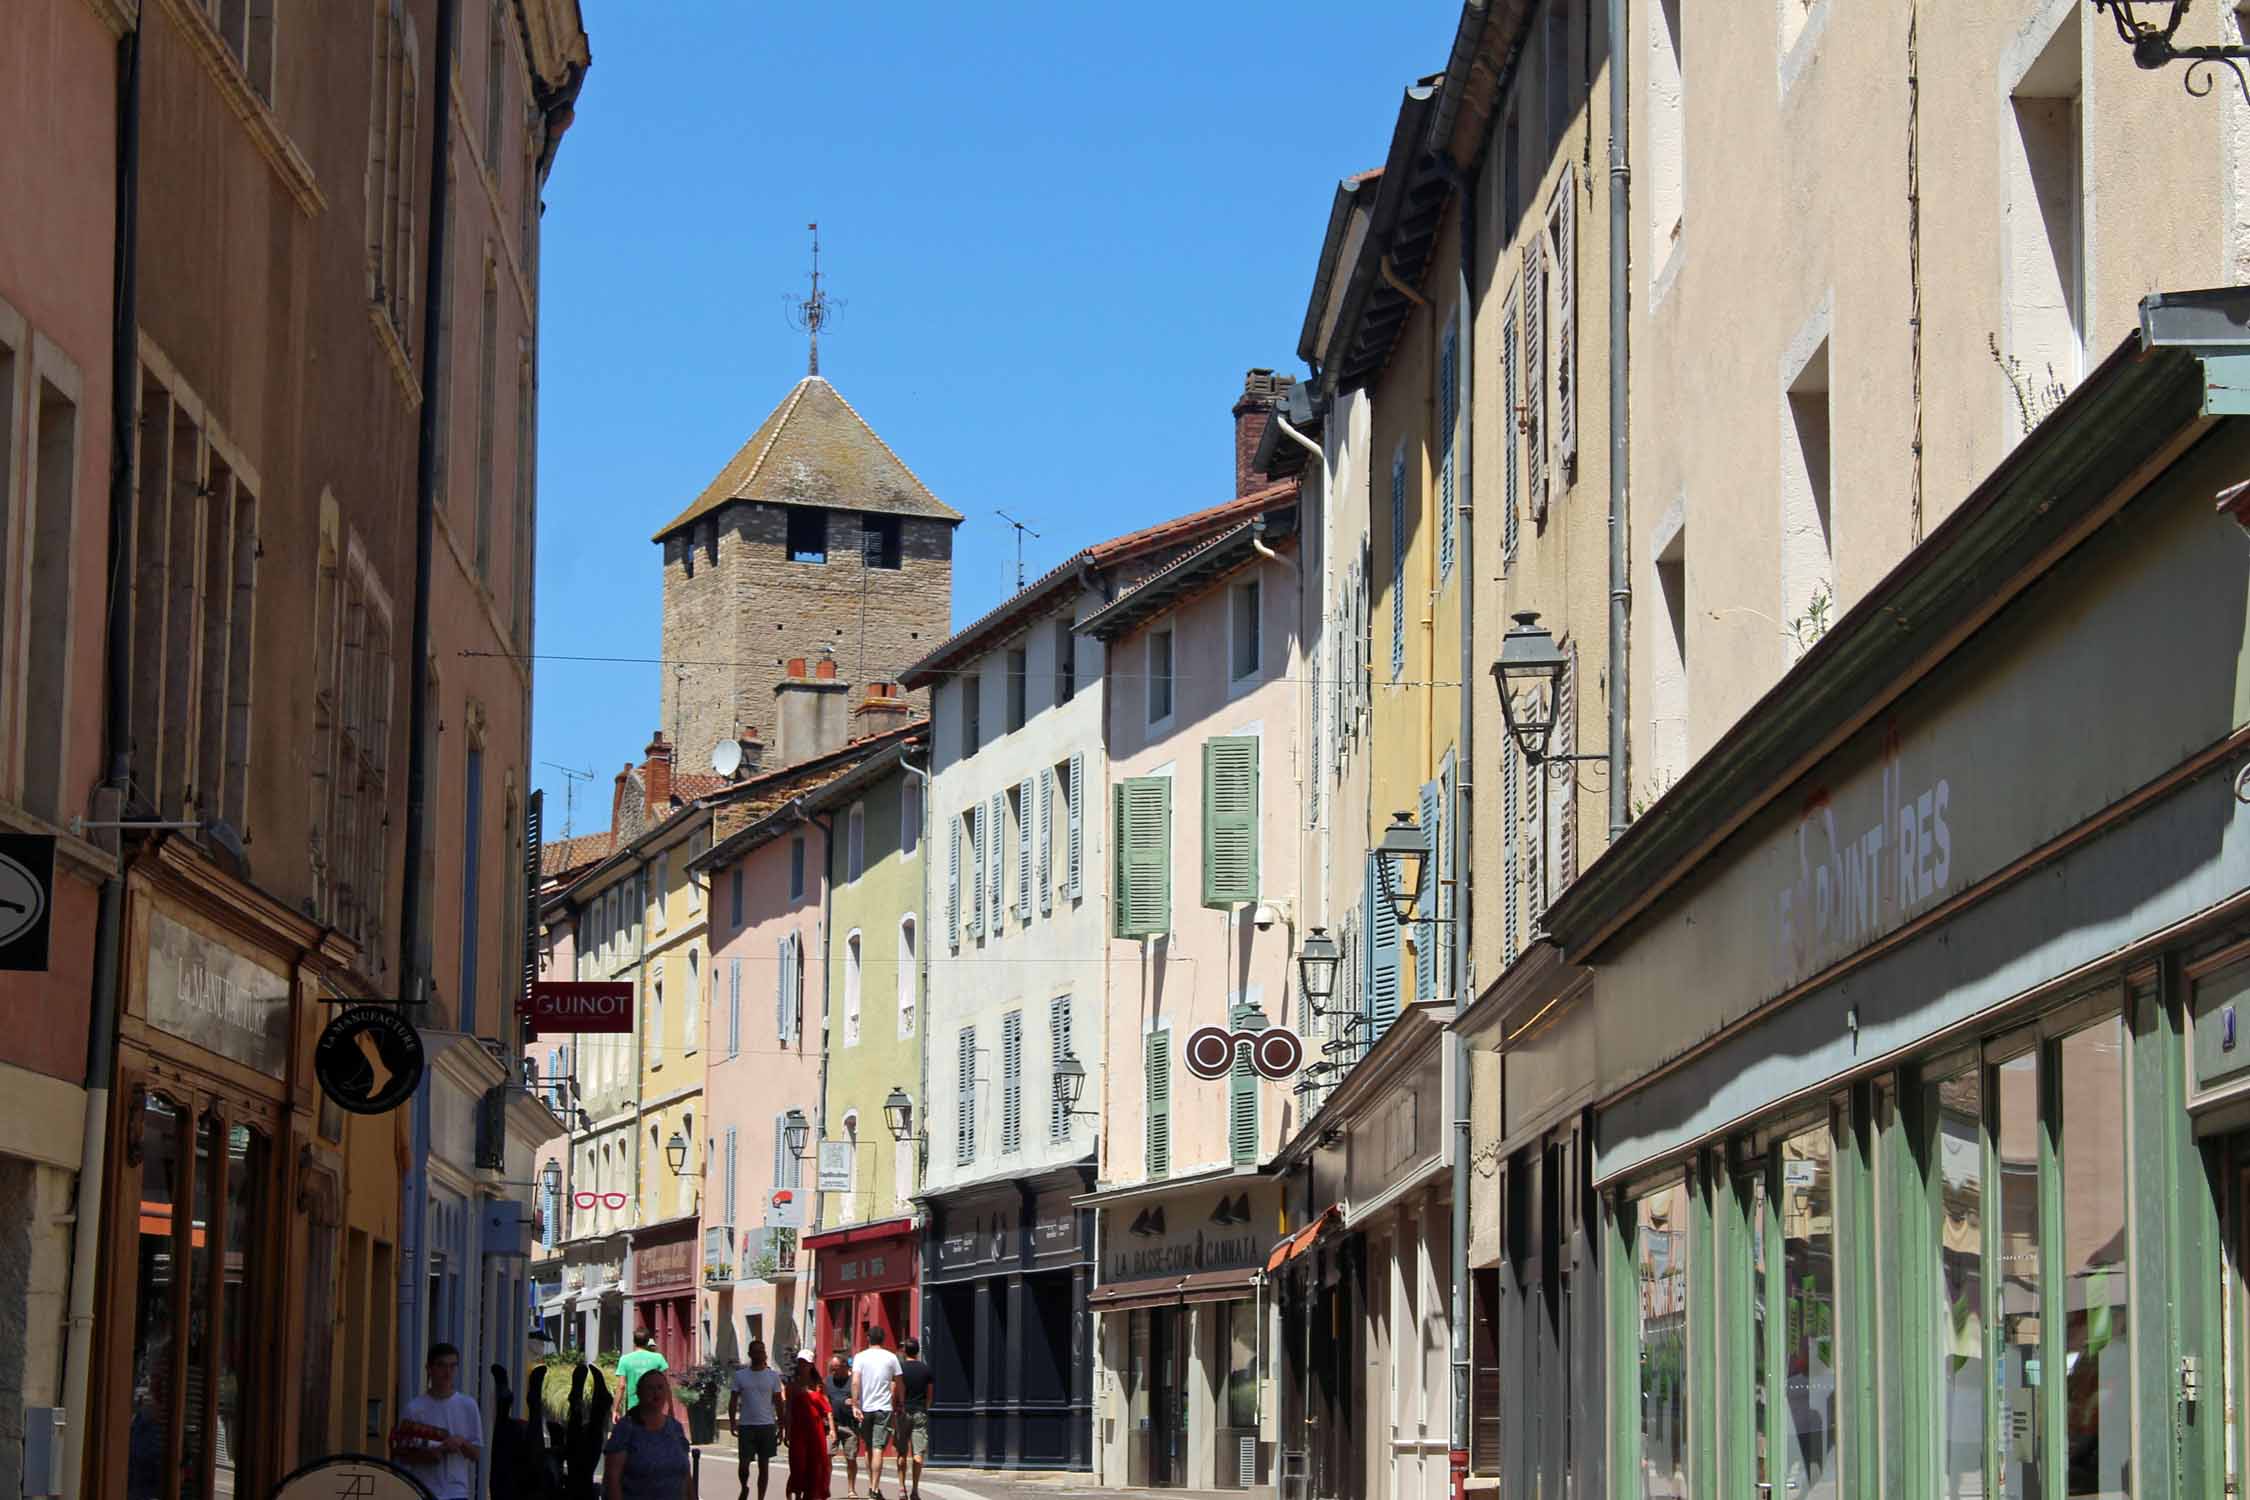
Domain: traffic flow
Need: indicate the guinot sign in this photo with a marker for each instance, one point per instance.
(579, 1005)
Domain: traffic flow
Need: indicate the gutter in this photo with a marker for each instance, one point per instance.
(922, 947)
(827, 826)
(1620, 417)
(117, 730)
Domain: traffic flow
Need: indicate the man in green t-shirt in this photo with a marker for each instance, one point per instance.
(642, 1359)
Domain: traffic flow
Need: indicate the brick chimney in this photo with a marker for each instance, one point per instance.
(811, 711)
(1262, 392)
(656, 777)
(884, 708)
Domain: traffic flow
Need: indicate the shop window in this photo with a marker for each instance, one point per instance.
(1660, 1264)
(1801, 1342)
(1960, 1349)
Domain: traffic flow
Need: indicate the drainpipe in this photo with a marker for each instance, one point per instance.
(414, 1253)
(1620, 451)
(827, 827)
(109, 928)
(922, 946)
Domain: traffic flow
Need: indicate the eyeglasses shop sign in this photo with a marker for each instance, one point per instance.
(206, 993)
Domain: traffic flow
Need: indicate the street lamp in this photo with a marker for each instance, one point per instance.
(898, 1113)
(795, 1131)
(1070, 1082)
(675, 1152)
(1400, 857)
(1529, 675)
(550, 1176)
(1318, 958)
(2153, 46)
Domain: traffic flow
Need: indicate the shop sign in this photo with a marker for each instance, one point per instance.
(1275, 1052)
(1219, 1237)
(978, 1241)
(27, 895)
(575, 1005)
(785, 1210)
(661, 1267)
(835, 1166)
(350, 1476)
(369, 1059)
(1055, 1229)
(206, 993)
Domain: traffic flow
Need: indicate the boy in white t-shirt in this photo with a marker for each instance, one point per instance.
(754, 1407)
(874, 1399)
(448, 1463)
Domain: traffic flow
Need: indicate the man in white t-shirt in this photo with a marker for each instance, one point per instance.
(874, 1398)
(754, 1408)
(444, 1451)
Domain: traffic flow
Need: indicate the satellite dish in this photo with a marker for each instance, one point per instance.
(726, 757)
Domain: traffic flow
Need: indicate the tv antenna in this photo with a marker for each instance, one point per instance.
(1022, 531)
(816, 310)
(571, 779)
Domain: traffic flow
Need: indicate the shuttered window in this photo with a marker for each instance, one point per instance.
(1448, 416)
(1511, 382)
(1011, 1082)
(726, 1187)
(1425, 929)
(1158, 1075)
(785, 991)
(965, 1107)
(1319, 742)
(855, 842)
(1242, 1093)
(979, 835)
(1058, 1048)
(1380, 994)
(996, 861)
(1074, 794)
(734, 1007)
(1027, 828)
(1230, 820)
(1398, 565)
(1534, 377)
(1511, 821)
(1563, 242)
(953, 885)
(1142, 843)
(1046, 840)
(1447, 952)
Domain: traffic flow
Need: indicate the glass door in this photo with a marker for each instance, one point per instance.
(1167, 1398)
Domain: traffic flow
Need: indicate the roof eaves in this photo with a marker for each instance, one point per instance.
(1408, 204)
(1225, 554)
(1347, 197)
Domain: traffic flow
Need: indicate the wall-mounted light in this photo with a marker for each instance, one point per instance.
(1318, 958)
(2153, 45)
(1399, 859)
(676, 1152)
(1070, 1083)
(796, 1131)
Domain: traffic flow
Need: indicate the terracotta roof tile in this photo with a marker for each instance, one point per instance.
(564, 855)
(815, 449)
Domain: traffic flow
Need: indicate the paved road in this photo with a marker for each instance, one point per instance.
(719, 1482)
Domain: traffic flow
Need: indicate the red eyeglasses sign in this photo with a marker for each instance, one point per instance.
(597, 1200)
(578, 1005)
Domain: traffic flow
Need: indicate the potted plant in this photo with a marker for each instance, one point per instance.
(699, 1388)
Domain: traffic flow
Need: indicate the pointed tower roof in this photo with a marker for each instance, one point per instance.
(814, 449)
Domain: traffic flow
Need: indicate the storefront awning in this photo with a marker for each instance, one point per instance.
(1172, 1291)
(858, 1234)
(1304, 1239)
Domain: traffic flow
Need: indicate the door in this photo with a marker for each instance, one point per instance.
(1167, 1397)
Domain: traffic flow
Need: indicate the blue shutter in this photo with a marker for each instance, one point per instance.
(1425, 930)
(1448, 408)
(1448, 950)
(1398, 566)
(1381, 999)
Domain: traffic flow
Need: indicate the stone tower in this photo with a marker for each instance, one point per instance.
(814, 543)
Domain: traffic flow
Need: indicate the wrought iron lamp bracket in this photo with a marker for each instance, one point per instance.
(2153, 46)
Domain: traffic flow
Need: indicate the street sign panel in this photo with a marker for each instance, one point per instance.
(578, 1005)
(835, 1166)
(27, 890)
(785, 1210)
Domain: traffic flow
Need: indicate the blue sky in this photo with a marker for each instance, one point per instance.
(1061, 232)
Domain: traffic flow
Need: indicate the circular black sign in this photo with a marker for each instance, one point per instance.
(356, 1475)
(369, 1059)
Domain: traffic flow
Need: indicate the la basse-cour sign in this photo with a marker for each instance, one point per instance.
(580, 1005)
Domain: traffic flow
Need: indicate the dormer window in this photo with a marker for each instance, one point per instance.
(808, 534)
(880, 540)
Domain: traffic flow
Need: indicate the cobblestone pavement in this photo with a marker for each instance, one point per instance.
(718, 1482)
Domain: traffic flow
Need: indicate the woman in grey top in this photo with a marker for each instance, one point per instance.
(646, 1457)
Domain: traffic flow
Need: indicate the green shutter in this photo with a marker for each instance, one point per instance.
(1159, 1076)
(1242, 1093)
(1230, 820)
(1143, 856)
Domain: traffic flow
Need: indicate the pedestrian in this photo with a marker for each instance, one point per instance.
(874, 1400)
(646, 1457)
(440, 1435)
(754, 1409)
(916, 1382)
(812, 1424)
(845, 1420)
(638, 1361)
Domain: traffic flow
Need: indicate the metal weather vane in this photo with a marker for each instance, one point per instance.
(816, 310)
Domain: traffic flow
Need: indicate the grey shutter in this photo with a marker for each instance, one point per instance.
(780, 1153)
(1319, 719)
(1011, 1082)
(1511, 375)
(953, 885)
(1242, 1092)
(1448, 416)
(781, 990)
(1398, 566)
(1534, 373)
(1566, 327)
(1159, 1078)
(533, 807)
(1511, 820)
(1077, 790)
(1382, 957)
(980, 837)
(965, 1126)
(1058, 1039)
(1046, 840)
(1026, 830)
(995, 854)
(726, 1193)
(1566, 737)
(734, 1007)
(1425, 930)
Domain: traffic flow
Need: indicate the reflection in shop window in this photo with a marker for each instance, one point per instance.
(2016, 1152)
(239, 1414)
(1807, 1212)
(1660, 1243)
(149, 1429)
(2097, 1355)
(1960, 1287)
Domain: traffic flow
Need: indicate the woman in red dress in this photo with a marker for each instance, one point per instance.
(810, 1428)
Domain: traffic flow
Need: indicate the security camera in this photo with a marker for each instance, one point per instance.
(1266, 915)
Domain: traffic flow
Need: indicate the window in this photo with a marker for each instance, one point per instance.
(909, 815)
(734, 1007)
(1017, 694)
(880, 542)
(1059, 1047)
(1808, 552)
(2044, 230)
(788, 1171)
(658, 917)
(697, 845)
(1066, 662)
(788, 989)
(527, 523)
(1398, 563)
(808, 534)
(245, 30)
(40, 669)
(1243, 626)
(965, 1104)
(972, 713)
(1958, 1163)
(851, 989)
(1160, 675)
(855, 842)
(1157, 1078)
(1011, 1082)
(472, 883)
(1142, 841)
(1449, 407)
(495, 88)
(1660, 1253)
(727, 1177)
(488, 397)
(654, 1050)
(391, 175)
(1556, 46)
(1668, 660)
(351, 714)
(1070, 780)
(1242, 1092)
(691, 1019)
(797, 867)
(734, 894)
(1020, 831)
(909, 975)
(1230, 821)
(1667, 130)
(1561, 288)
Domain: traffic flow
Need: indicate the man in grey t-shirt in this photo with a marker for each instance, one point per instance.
(754, 1409)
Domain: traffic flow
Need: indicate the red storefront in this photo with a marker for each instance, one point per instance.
(664, 1264)
(865, 1276)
